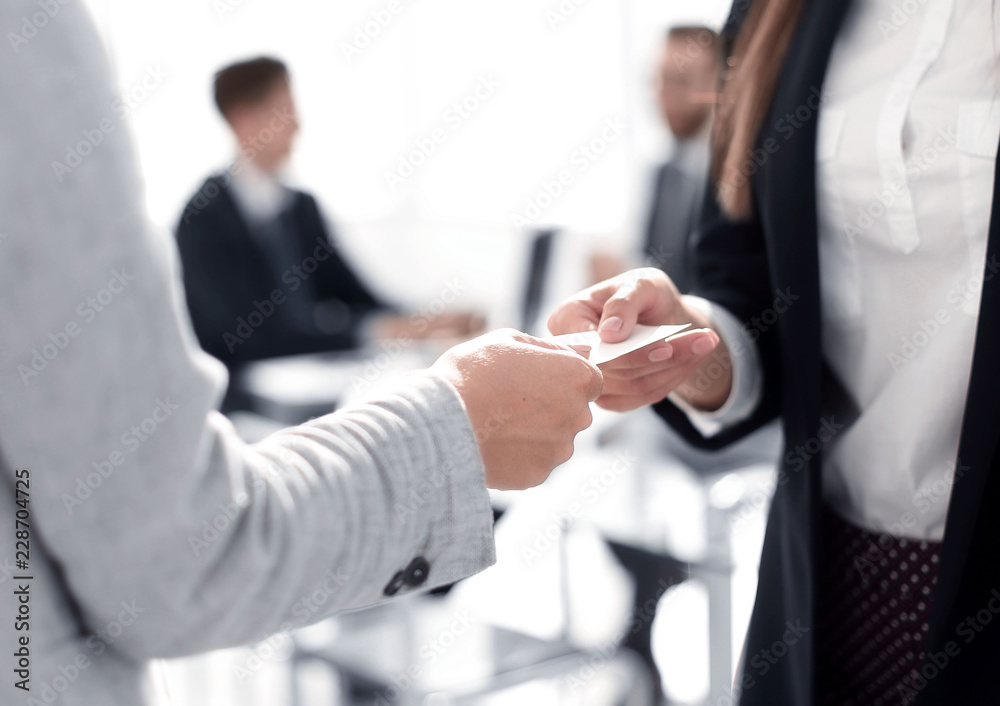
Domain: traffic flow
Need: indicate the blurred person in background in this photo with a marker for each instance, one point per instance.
(687, 90)
(262, 270)
(142, 526)
(686, 96)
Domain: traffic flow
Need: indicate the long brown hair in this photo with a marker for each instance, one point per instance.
(754, 66)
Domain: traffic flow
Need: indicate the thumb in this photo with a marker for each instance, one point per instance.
(623, 309)
(596, 384)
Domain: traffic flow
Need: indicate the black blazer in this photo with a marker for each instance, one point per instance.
(742, 266)
(226, 271)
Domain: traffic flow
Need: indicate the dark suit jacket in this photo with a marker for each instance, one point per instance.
(742, 266)
(240, 305)
(672, 220)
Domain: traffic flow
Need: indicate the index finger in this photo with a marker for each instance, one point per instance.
(583, 311)
(574, 315)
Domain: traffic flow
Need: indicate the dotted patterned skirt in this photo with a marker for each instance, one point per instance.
(871, 615)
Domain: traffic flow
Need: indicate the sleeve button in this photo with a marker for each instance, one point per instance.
(417, 572)
(395, 584)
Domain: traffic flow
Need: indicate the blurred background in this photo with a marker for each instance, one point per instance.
(562, 69)
(628, 577)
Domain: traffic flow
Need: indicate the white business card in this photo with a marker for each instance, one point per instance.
(602, 351)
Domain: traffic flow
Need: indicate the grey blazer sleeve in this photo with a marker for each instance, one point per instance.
(141, 492)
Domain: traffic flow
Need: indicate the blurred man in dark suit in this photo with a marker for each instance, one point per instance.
(687, 85)
(261, 269)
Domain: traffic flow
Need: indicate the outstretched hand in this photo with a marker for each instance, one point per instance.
(526, 398)
(646, 376)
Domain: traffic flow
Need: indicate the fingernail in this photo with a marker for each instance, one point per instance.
(660, 354)
(702, 345)
(612, 324)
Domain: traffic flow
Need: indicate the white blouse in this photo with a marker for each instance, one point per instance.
(907, 140)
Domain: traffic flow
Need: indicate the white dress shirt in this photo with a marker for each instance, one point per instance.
(907, 140)
(693, 155)
(258, 194)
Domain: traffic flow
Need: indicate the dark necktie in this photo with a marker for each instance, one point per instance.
(282, 252)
